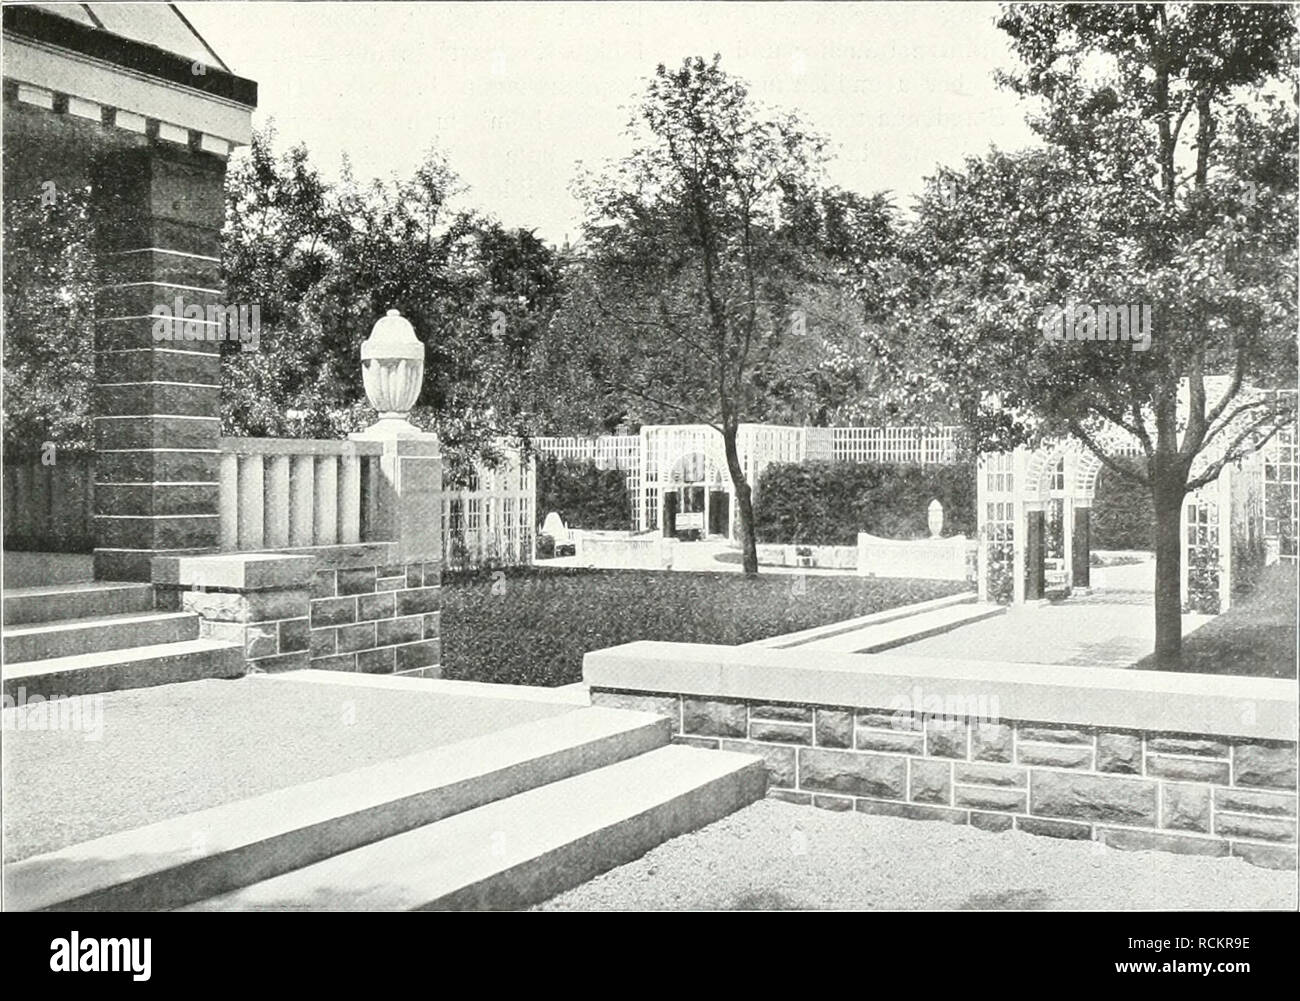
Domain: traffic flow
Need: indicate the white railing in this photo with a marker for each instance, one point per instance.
(279, 493)
(895, 444)
(490, 520)
(610, 451)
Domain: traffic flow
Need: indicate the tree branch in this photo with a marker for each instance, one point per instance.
(1231, 453)
(1118, 467)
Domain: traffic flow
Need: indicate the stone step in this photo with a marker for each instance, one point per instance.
(525, 849)
(70, 637)
(131, 667)
(75, 601)
(893, 633)
(163, 866)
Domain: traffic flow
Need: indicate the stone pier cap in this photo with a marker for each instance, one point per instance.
(1113, 698)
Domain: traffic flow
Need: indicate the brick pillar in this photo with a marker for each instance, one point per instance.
(157, 401)
(1080, 570)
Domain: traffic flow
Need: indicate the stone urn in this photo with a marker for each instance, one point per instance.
(392, 368)
(934, 518)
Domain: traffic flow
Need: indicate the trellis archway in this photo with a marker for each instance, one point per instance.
(687, 481)
(1026, 500)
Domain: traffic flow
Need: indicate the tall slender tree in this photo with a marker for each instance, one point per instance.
(700, 250)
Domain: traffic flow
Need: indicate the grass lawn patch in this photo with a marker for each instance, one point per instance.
(532, 626)
(1256, 636)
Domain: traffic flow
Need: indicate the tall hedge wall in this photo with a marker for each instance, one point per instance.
(584, 495)
(828, 503)
(1122, 514)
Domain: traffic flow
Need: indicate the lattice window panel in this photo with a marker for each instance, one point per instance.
(1202, 555)
(1281, 502)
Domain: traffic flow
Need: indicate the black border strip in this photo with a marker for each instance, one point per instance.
(31, 22)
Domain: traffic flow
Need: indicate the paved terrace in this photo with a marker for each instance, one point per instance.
(176, 749)
(1114, 626)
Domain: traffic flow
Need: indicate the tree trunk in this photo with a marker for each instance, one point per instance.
(1167, 494)
(744, 502)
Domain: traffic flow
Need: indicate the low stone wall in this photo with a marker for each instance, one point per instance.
(645, 552)
(336, 608)
(835, 557)
(928, 559)
(1085, 761)
(376, 617)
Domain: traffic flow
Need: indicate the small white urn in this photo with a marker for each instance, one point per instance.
(392, 368)
(934, 518)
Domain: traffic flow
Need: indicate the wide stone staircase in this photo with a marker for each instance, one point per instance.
(102, 636)
(500, 821)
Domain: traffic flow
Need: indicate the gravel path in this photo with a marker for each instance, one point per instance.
(775, 855)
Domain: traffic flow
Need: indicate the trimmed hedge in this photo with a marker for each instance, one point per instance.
(829, 503)
(1122, 514)
(532, 625)
(585, 495)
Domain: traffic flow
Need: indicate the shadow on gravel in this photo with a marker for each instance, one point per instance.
(1010, 900)
(765, 900)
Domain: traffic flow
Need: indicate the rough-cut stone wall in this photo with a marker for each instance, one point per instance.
(334, 608)
(377, 619)
(1127, 789)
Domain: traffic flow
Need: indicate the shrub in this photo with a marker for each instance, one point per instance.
(545, 546)
(829, 503)
(585, 495)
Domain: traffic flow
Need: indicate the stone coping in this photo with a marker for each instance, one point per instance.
(862, 621)
(349, 555)
(574, 695)
(240, 571)
(269, 568)
(1256, 708)
(300, 446)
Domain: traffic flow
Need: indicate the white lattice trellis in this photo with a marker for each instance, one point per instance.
(489, 520)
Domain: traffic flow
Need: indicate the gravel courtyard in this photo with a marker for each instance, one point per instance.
(775, 856)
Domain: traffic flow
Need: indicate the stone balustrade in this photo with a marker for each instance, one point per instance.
(289, 492)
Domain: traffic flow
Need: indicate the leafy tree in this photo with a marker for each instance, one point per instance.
(324, 261)
(1167, 178)
(49, 329)
(701, 253)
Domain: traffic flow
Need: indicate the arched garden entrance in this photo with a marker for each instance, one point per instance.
(1034, 510)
